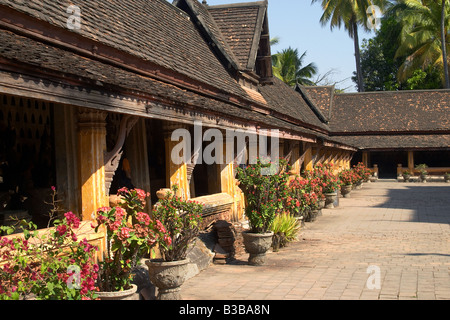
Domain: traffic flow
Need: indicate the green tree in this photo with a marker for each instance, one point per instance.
(288, 67)
(424, 38)
(380, 62)
(444, 31)
(350, 14)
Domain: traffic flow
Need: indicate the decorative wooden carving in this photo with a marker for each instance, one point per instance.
(112, 158)
(302, 159)
(191, 166)
(315, 158)
(289, 155)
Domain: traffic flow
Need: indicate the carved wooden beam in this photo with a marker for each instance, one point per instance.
(191, 166)
(316, 155)
(289, 155)
(112, 158)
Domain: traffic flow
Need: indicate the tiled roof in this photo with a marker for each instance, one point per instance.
(241, 25)
(154, 30)
(397, 142)
(391, 111)
(321, 97)
(205, 44)
(72, 67)
(211, 30)
(285, 100)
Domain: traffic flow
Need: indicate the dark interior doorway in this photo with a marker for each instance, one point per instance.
(388, 162)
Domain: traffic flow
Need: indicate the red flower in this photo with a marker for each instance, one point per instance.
(62, 229)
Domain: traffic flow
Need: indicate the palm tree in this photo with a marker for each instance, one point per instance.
(350, 14)
(288, 67)
(424, 37)
(444, 47)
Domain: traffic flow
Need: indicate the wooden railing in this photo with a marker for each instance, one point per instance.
(433, 171)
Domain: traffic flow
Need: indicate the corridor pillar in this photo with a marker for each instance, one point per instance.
(91, 150)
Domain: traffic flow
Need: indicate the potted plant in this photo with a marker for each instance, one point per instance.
(263, 185)
(346, 178)
(285, 228)
(129, 235)
(447, 177)
(177, 225)
(406, 175)
(49, 264)
(423, 171)
(329, 182)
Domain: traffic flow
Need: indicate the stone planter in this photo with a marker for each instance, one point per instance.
(406, 177)
(346, 190)
(168, 277)
(330, 199)
(257, 244)
(312, 215)
(321, 204)
(130, 294)
(447, 178)
(423, 177)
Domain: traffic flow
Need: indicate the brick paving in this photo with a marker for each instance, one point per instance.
(403, 229)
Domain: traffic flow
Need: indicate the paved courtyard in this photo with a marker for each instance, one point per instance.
(390, 240)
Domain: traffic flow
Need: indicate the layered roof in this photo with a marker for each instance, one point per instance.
(424, 111)
(242, 25)
(208, 49)
(388, 119)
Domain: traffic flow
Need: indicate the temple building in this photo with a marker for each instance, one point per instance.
(91, 92)
(395, 131)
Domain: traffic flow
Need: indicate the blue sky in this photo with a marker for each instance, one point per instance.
(296, 23)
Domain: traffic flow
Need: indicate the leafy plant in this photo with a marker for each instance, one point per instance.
(362, 173)
(325, 177)
(304, 196)
(422, 168)
(130, 232)
(53, 265)
(263, 192)
(179, 222)
(285, 228)
(347, 177)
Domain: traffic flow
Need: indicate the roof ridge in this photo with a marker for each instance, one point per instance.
(221, 45)
(253, 46)
(311, 104)
(393, 92)
(239, 4)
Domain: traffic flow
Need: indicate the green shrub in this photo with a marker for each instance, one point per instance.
(285, 228)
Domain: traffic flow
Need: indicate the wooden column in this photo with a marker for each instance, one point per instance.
(227, 179)
(91, 149)
(176, 174)
(308, 158)
(296, 161)
(365, 159)
(410, 161)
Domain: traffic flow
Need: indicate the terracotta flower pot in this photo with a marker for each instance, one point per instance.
(168, 277)
(129, 294)
(257, 244)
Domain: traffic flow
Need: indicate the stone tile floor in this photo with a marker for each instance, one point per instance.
(389, 240)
